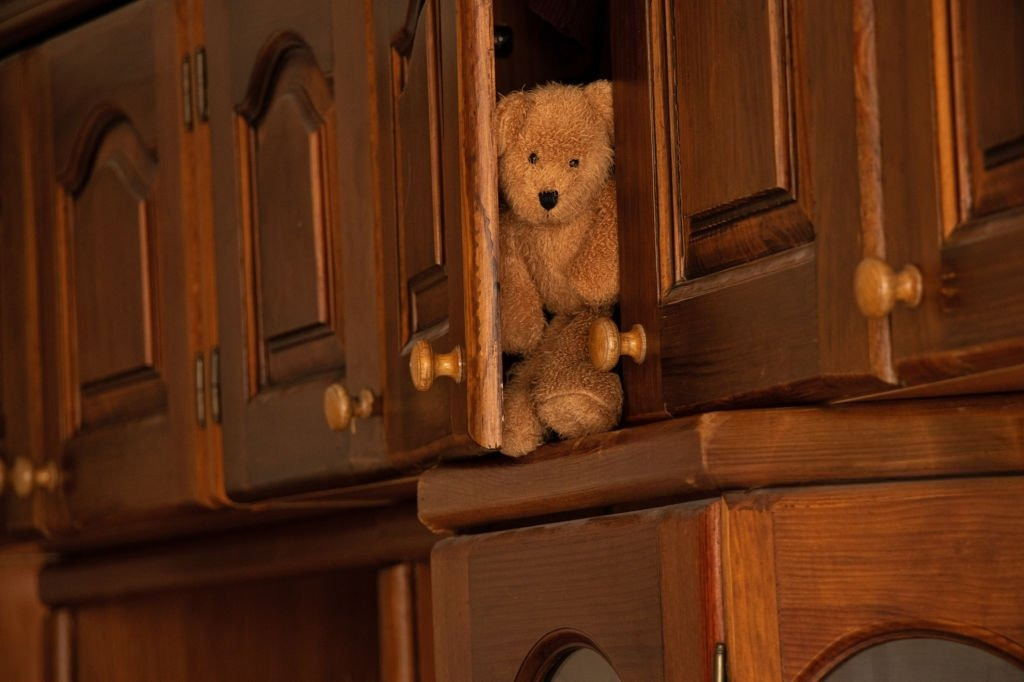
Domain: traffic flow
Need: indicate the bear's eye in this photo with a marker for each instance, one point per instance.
(533, 157)
(574, 163)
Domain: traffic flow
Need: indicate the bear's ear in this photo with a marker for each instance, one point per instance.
(511, 114)
(599, 94)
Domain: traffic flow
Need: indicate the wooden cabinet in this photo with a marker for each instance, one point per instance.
(766, 149)
(339, 218)
(121, 334)
(952, 181)
(814, 576)
(293, 221)
(792, 582)
(237, 214)
(737, 150)
(641, 589)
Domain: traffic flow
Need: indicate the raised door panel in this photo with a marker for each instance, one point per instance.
(737, 132)
(952, 161)
(437, 210)
(119, 316)
(813, 576)
(295, 245)
(640, 588)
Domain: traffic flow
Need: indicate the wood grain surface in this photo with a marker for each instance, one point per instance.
(856, 565)
(702, 456)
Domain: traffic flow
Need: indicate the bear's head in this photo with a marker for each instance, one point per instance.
(554, 149)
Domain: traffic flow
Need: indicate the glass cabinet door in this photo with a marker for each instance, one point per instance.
(925, 660)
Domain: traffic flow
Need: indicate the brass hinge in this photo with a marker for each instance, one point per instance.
(202, 93)
(215, 385)
(186, 90)
(200, 390)
(719, 672)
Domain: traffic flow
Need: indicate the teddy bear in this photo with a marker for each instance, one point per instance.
(559, 260)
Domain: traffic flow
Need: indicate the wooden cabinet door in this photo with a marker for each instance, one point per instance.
(640, 588)
(813, 576)
(737, 132)
(951, 114)
(21, 417)
(292, 164)
(118, 280)
(438, 206)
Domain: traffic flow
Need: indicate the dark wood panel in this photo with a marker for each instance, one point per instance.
(736, 156)
(642, 588)
(438, 207)
(22, 615)
(988, 53)
(728, 451)
(316, 627)
(288, 547)
(120, 318)
(20, 334)
(26, 21)
(108, 219)
(773, 318)
(946, 209)
(292, 220)
(290, 237)
(845, 580)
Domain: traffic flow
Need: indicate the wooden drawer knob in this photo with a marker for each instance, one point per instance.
(340, 408)
(425, 365)
(878, 287)
(607, 343)
(25, 478)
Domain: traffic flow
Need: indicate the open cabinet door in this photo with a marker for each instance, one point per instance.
(438, 215)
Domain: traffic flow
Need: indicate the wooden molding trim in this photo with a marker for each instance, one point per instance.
(23, 22)
(364, 538)
(721, 451)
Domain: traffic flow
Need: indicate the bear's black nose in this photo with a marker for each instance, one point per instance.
(549, 199)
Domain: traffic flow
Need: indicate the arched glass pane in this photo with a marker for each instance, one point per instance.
(583, 665)
(925, 660)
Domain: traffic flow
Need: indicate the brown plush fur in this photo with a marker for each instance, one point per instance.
(562, 258)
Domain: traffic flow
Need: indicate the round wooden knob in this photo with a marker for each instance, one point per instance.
(340, 408)
(26, 478)
(425, 365)
(878, 287)
(607, 343)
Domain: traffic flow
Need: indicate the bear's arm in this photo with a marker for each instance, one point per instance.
(522, 313)
(594, 273)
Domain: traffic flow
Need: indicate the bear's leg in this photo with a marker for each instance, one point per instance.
(521, 430)
(572, 397)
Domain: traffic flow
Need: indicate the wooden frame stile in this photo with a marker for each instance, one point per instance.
(198, 148)
(22, 371)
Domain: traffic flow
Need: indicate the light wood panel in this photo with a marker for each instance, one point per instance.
(703, 455)
(844, 578)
